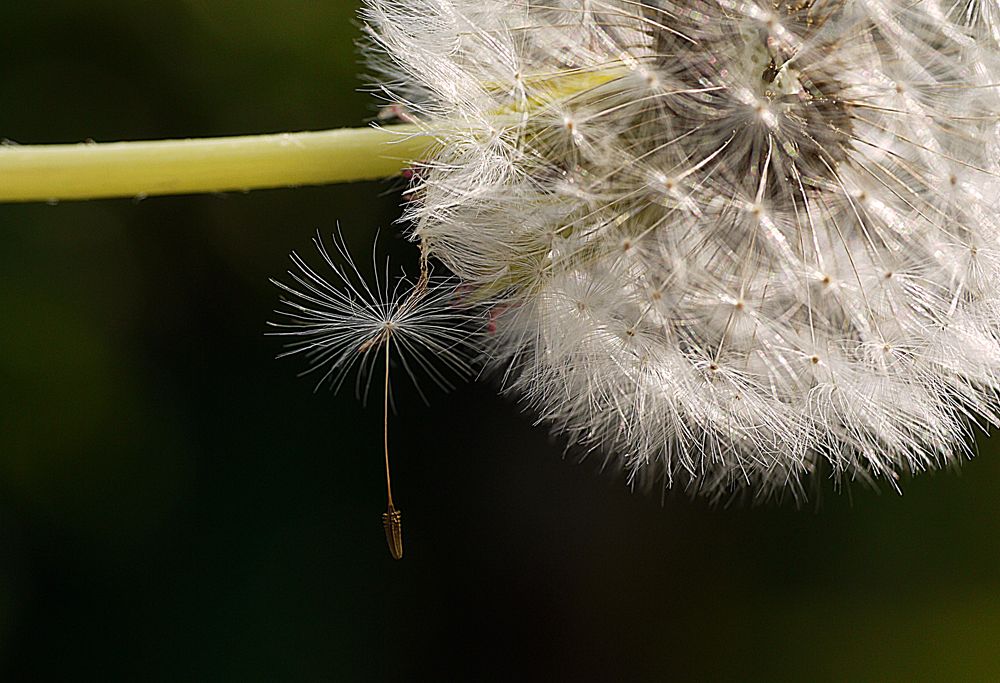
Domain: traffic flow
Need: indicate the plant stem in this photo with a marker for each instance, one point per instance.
(33, 173)
(138, 169)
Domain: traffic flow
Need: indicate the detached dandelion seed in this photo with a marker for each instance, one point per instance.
(348, 323)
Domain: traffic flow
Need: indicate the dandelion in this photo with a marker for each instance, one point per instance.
(730, 243)
(346, 324)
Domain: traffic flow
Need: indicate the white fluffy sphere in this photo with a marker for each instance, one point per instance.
(730, 243)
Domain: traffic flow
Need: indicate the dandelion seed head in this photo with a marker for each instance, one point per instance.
(730, 242)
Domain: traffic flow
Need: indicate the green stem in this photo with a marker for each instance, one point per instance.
(32, 173)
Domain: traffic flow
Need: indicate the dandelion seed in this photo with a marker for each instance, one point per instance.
(730, 242)
(347, 324)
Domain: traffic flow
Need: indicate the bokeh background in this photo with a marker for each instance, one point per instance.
(175, 504)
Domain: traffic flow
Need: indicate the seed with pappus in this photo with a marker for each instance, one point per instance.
(340, 321)
(728, 243)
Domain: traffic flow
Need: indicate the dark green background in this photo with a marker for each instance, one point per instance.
(177, 505)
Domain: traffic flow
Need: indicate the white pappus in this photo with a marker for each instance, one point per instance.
(343, 322)
(340, 320)
(729, 243)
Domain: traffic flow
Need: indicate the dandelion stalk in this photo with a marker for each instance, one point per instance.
(33, 173)
(138, 169)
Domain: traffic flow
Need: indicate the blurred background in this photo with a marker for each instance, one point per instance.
(175, 504)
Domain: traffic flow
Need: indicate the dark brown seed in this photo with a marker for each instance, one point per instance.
(392, 521)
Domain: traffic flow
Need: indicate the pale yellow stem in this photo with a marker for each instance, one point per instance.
(31, 173)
